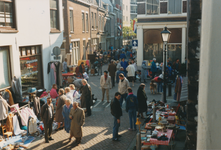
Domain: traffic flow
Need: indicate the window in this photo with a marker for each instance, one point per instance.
(174, 6)
(76, 52)
(31, 67)
(54, 14)
(123, 6)
(6, 14)
(71, 21)
(92, 21)
(84, 50)
(95, 21)
(126, 8)
(127, 19)
(152, 7)
(124, 18)
(184, 6)
(100, 22)
(163, 6)
(5, 72)
(87, 22)
(83, 23)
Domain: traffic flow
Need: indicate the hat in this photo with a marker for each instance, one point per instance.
(154, 59)
(32, 90)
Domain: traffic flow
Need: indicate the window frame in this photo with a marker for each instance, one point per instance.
(71, 20)
(87, 22)
(12, 28)
(57, 29)
(95, 21)
(10, 67)
(92, 21)
(83, 21)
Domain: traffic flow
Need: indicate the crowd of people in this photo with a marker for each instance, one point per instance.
(74, 101)
(69, 109)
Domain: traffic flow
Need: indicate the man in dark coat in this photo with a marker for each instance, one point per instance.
(47, 115)
(116, 111)
(112, 68)
(86, 99)
(81, 69)
(100, 64)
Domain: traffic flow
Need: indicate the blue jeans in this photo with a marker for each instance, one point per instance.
(159, 86)
(132, 117)
(123, 96)
(115, 128)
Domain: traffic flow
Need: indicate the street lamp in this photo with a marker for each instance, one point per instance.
(165, 37)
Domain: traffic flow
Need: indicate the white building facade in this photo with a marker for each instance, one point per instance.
(153, 16)
(29, 30)
(126, 13)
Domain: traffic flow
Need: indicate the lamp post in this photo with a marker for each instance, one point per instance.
(165, 37)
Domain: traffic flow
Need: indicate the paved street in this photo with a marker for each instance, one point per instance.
(97, 131)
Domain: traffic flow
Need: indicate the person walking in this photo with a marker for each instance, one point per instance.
(135, 67)
(112, 71)
(122, 88)
(142, 100)
(77, 117)
(105, 83)
(144, 72)
(47, 115)
(100, 64)
(65, 66)
(131, 108)
(118, 65)
(124, 64)
(153, 68)
(118, 73)
(86, 99)
(116, 111)
(60, 103)
(131, 73)
(123, 56)
(65, 113)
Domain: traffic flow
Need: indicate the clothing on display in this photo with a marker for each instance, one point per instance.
(17, 89)
(3, 108)
(9, 123)
(55, 75)
(17, 130)
(25, 113)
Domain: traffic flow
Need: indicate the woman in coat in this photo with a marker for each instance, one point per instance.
(142, 100)
(60, 102)
(65, 113)
(144, 72)
(77, 117)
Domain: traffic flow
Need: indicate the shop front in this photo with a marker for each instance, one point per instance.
(153, 46)
(31, 67)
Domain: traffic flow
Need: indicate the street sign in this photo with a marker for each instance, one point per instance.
(135, 43)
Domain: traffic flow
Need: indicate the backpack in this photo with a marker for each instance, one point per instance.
(111, 107)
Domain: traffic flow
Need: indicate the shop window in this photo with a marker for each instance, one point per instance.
(31, 67)
(152, 7)
(5, 68)
(54, 14)
(7, 13)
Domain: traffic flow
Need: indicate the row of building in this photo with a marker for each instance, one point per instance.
(29, 30)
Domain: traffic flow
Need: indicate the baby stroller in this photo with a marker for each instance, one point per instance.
(95, 66)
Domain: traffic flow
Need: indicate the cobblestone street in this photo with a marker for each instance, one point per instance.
(97, 131)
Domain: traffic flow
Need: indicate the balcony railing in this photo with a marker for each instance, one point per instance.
(133, 11)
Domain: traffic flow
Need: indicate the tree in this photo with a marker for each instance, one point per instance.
(128, 31)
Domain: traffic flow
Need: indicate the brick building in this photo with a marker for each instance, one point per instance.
(87, 27)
